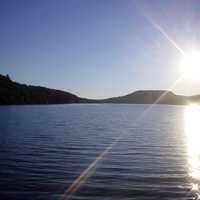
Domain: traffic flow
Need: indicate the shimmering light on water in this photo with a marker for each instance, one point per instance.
(192, 130)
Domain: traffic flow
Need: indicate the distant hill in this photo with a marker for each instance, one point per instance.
(150, 97)
(15, 93)
(12, 93)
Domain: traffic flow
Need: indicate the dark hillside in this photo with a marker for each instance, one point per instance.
(15, 93)
(12, 93)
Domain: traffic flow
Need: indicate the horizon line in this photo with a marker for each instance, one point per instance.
(103, 98)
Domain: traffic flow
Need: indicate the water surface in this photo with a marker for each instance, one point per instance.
(43, 149)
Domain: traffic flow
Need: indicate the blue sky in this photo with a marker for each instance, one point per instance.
(98, 48)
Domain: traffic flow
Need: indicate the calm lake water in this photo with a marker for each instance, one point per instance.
(132, 151)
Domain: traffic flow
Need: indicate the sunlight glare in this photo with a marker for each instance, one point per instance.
(192, 130)
(190, 65)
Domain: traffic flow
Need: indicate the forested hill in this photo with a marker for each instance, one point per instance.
(15, 93)
(150, 97)
(12, 93)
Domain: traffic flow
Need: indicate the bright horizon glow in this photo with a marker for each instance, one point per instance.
(190, 65)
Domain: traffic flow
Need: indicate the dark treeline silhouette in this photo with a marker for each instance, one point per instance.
(12, 93)
(15, 93)
(150, 97)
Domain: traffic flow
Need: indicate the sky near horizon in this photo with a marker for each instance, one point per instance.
(99, 48)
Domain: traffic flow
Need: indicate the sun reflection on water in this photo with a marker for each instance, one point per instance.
(192, 130)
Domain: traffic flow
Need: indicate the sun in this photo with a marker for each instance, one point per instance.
(190, 65)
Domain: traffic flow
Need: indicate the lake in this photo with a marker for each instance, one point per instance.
(104, 151)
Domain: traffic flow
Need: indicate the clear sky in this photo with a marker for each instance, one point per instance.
(98, 48)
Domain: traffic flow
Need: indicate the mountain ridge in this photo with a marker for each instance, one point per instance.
(14, 93)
